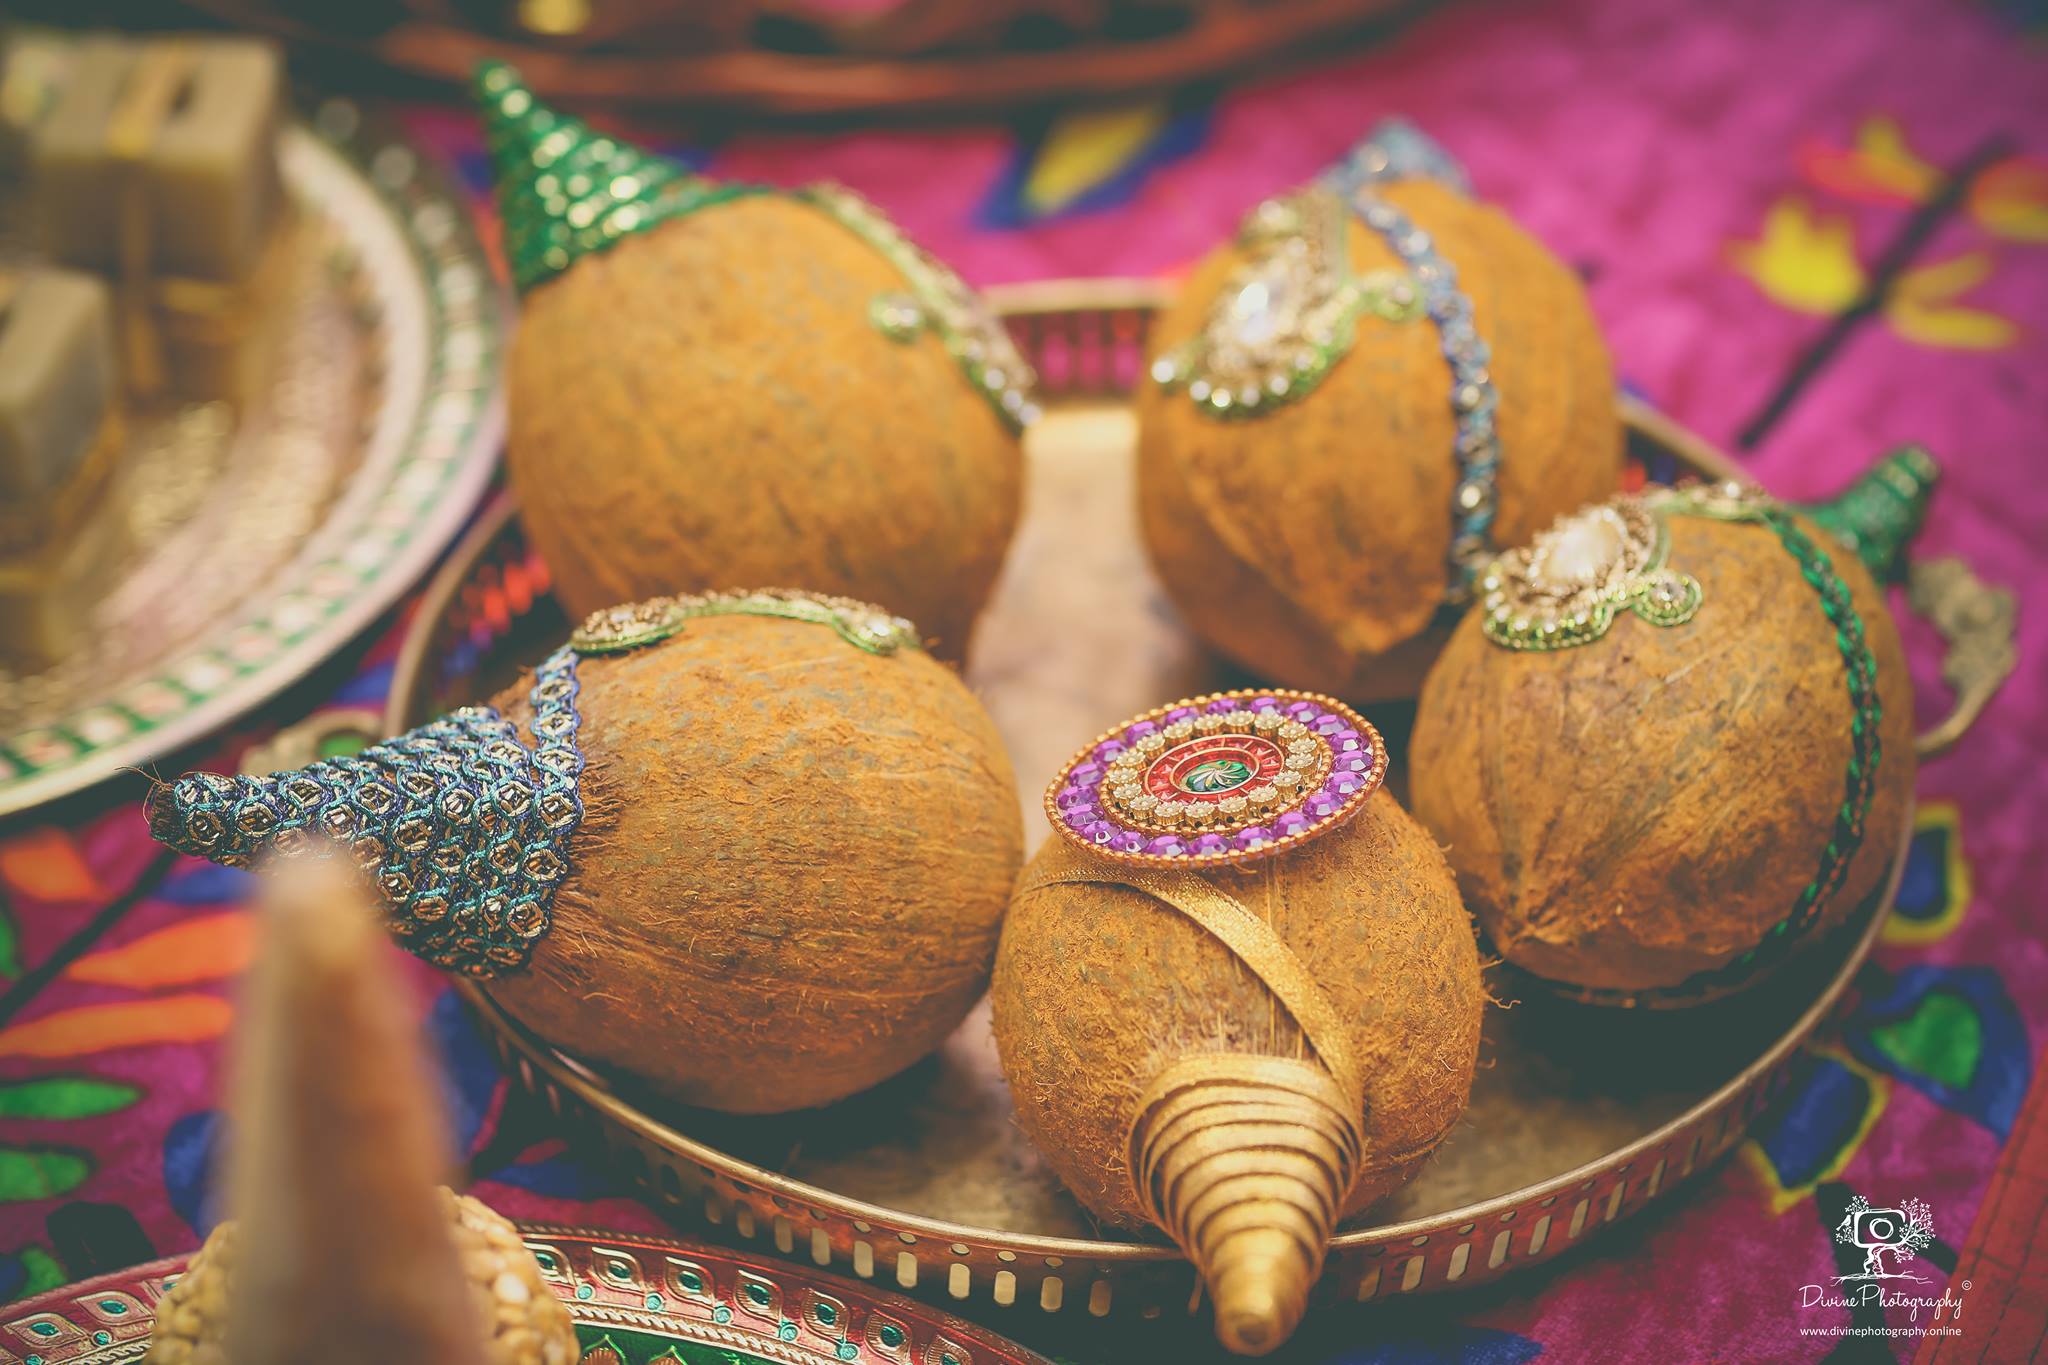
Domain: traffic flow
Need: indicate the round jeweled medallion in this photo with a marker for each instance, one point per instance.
(1225, 778)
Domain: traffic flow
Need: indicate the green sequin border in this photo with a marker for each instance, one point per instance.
(567, 190)
(1859, 670)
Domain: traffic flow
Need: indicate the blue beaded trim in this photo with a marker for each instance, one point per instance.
(465, 829)
(1398, 151)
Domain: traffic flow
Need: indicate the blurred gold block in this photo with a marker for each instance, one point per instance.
(63, 523)
(56, 388)
(173, 141)
(49, 595)
(33, 66)
(218, 341)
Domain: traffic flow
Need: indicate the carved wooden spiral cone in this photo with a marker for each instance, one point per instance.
(1245, 1162)
(344, 1253)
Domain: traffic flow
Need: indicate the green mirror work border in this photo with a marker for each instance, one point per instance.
(628, 1347)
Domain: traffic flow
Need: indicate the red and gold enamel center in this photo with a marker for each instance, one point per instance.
(1211, 768)
(1215, 772)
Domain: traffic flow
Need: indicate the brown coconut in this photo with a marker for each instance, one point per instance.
(708, 403)
(791, 871)
(1632, 811)
(343, 1249)
(1309, 543)
(1099, 989)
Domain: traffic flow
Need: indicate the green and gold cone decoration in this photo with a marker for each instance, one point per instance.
(566, 190)
(1878, 515)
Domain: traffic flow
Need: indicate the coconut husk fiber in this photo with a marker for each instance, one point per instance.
(1632, 811)
(1308, 543)
(708, 403)
(791, 870)
(1101, 990)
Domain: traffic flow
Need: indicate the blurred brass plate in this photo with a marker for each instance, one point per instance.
(268, 537)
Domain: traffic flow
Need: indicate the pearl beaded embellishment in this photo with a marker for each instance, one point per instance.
(1286, 315)
(1566, 587)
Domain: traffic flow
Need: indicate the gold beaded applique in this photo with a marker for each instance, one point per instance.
(861, 624)
(939, 301)
(1567, 586)
(1287, 313)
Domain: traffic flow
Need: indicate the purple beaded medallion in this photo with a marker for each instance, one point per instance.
(1227, 778)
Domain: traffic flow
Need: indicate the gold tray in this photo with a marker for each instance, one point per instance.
(926, 1182)
(267, 535)
(645, 1297)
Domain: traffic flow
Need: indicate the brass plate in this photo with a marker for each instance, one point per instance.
(641, 1295)
(925, 1182)
(266, 539)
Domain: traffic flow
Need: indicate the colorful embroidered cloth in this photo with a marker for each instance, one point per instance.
(1726, 176)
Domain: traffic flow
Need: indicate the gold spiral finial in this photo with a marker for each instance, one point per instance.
(1246, 1162)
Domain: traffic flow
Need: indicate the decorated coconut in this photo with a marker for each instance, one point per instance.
(1237, 996)
(717, 382)
(344, 1248)
(748, 849)
(1672, 743)
(1351, 405)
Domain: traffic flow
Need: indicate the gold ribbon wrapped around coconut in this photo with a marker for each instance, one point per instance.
(1242, 1070)
(1245, 1161)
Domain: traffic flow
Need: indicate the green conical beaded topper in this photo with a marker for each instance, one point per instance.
(1878, 515)
(566, 190)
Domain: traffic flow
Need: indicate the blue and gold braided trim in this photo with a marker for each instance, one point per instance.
(1399, 151)
(1288, 315)
(464, 828)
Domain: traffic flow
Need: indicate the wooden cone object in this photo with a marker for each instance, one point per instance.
(346, 1249)
(344, 1253)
